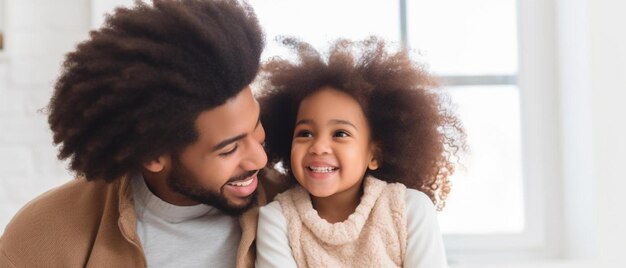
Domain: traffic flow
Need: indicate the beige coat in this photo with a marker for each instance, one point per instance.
(92, 224)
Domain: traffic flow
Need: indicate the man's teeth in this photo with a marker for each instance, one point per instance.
(322, 169)
(241, 183)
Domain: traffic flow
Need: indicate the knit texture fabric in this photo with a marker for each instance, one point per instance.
(375, 235)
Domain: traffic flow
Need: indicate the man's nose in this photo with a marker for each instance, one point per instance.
(255, 157)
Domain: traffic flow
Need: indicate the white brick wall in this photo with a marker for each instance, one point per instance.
(38, 34)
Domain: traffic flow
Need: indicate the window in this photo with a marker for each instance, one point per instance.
(472, 46)
(320, 22)
(497, 204)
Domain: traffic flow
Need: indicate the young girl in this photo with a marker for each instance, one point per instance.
(370, 146)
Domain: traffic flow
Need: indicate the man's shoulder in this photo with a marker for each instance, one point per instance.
(64, 199)
(64, 215)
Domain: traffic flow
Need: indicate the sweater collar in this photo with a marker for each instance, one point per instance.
(340, 232)
(146, 201)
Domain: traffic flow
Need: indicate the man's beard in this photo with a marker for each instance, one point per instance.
(182, 181)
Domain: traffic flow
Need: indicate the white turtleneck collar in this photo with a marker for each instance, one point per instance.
(147, 201)
(183, 236)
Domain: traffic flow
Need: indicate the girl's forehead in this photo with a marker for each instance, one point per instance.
(331, 104)
(330, 93)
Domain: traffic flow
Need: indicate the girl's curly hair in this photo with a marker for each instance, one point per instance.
(417, 137)
(134, 89)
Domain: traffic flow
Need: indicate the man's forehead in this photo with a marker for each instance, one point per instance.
(237, 116)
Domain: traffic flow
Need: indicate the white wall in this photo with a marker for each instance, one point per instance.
(608, 78)
(38, 34)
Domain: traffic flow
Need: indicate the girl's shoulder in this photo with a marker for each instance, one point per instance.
(412, 197)
(273, 206)
(272, 213)
(276, 206)
(414, 201)
(285, 203)
(418, 204)
(418, 197)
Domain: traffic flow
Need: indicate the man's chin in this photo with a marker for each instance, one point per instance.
(227, 207)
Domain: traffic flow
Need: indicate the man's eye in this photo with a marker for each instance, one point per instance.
(229, 152)
(304, 134)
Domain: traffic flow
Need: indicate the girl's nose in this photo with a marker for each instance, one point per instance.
(320, 146)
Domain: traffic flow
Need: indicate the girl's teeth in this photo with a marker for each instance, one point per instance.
(241, 183)
(322, 169)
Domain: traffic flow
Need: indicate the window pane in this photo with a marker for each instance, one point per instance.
(487, 192)
(321, 21)
(454, 37)
(463, 37)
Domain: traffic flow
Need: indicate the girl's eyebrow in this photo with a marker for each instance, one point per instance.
(332, 122)
(342, 122)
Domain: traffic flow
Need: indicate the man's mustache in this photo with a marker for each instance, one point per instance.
(243, 176)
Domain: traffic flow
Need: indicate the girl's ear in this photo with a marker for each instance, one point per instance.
(373, 165)
(157, 165)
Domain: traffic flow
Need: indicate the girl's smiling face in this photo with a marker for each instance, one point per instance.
(331, 147)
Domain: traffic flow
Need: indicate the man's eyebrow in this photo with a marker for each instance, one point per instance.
(226, 142)
(304, 122)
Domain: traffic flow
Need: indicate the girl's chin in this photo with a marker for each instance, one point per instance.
(319, 193)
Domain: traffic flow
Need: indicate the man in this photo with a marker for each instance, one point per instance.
(155, 114)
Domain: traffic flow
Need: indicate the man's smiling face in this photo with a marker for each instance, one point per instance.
(220, 168)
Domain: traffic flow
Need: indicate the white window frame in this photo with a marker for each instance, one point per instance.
(555, 93)
(537, 83)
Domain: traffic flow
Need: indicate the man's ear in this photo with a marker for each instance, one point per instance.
(158, 164)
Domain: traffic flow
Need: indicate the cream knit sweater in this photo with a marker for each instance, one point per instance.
(375, 235)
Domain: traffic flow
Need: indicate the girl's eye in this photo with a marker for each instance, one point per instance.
(341, 134)
(229, 152)
(304, 134)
